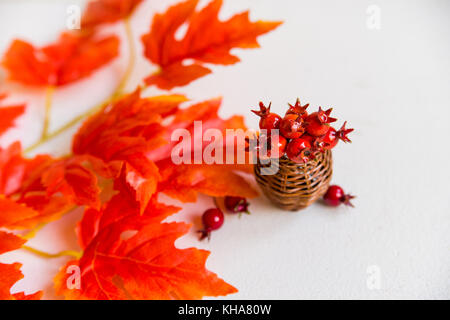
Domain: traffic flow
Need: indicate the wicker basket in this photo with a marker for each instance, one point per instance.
(296, 186)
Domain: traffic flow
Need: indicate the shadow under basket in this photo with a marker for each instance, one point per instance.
(296, 186)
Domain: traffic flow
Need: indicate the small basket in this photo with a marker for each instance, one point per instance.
(296, 186)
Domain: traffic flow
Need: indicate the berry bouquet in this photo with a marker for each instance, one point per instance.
(301, 144)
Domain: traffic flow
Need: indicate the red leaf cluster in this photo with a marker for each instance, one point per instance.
(121, 157)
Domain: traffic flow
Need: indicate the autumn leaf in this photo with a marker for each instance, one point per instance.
(74, 56)
(207, 40)
(184, 181)
(10, 273)
(123, 133)
(8, 114)
(41, 189)
(107, 11)
(120, 206)
(9, 242)
(135, 258)
(13, 213)
(12, 168)
(74, 179)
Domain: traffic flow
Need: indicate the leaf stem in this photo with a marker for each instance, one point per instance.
(116, 94)
(32, 233)
(43, 254)
(48, 107)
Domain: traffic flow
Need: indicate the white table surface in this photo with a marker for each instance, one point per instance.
(391, 84)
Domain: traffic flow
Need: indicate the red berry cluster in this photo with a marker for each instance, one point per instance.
(300, 135)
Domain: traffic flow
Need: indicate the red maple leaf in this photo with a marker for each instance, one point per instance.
(10, 273)
(107, 11)
(9, 114)
(123, 133)
(135, 258)
(184, 181)
(72, 57)
(207, 40)
(123, 205)
(39, 190)
(73, 178)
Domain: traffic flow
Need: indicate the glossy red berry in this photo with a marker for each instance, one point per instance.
(291, 126)
(332, 137)
(268, 120)
(314, 142)
(298, 109)
(212, 220)
(335, 195)
(317, 122)
(236, 204)
(272, 146)
(299, 150)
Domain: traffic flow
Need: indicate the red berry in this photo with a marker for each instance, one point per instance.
(335, 195)
(314, 142)
(212, 220)
(268, 120)
(291, 126)
(309, 138)
(236, 204)
(332, 137)
(298, 109)
(299, 150)
(272, 145)
(343, 132)
(318, 122)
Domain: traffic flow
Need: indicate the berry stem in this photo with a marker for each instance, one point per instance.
(43, 254)
(116, 94)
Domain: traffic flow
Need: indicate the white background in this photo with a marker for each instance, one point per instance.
(392, 85)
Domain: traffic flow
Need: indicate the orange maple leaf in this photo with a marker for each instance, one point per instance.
(39, 190)
(9, 114)
(135, 258)
(107, 11)
(72, 57)
(10, 273)
(184, 181)
(123, 205)
(123, 133)
(74, 179)
(207, 40)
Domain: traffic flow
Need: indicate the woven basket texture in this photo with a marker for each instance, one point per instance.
(296, 186)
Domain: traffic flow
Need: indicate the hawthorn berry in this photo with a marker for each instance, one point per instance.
(298, 109)
(236, 204)
(299, 150)
(268, 120)
(332, 137)
(212, 219)
(317, 122)
(291, 126)
(273, 145)
(335, 195)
